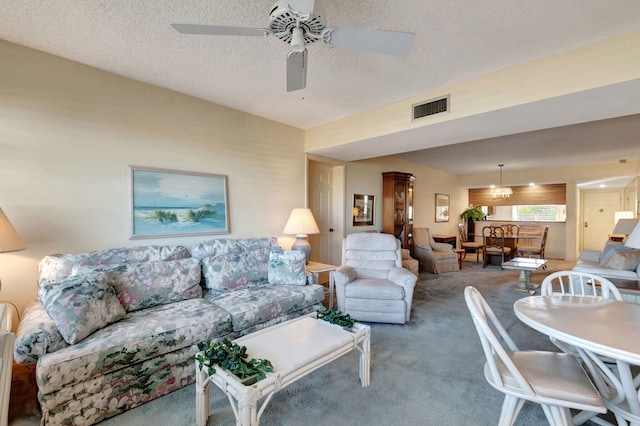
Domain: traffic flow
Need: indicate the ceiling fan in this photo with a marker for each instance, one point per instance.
(295, 22)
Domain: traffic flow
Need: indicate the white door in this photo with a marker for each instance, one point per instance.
(597, 217)
(321, 204)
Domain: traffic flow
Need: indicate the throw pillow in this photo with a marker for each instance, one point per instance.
(81, 305)
(624, 260)
(146, 284)
(611, 248)
(287, 267)
(227, 272)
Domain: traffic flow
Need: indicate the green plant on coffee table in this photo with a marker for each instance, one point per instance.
(335, 316)
(231, 357)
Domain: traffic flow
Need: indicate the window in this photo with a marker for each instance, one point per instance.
(549, 213)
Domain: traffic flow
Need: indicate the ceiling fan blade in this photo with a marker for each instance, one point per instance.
(296, 70)
(220, 30)
(302, 6)
(376, 41)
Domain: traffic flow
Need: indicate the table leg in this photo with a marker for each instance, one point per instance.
(365, 359)
(202, 397)
(524, 285)
(331, 289)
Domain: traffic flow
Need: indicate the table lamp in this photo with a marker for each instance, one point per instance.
(9, 239)
(301, 223)
(633, 240)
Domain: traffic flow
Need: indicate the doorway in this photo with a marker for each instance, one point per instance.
(326, 201)
(598, 209)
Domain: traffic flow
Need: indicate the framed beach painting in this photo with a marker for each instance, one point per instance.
(172, 203)
(362, 210)
(442, 208)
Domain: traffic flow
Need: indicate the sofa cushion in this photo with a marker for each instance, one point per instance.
(139, 336)
(221, 246)
(81, 304)
(146, 284)
(287, 267)
(56, 266)
(261, 303)
(627, 260)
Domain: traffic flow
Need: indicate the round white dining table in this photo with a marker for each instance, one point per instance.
(608, 328)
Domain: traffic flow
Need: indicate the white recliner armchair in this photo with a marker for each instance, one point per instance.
(371, 284)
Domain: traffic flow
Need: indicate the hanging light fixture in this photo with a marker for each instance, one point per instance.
(501, 192)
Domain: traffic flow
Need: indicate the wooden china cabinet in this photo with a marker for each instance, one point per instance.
(397, 206)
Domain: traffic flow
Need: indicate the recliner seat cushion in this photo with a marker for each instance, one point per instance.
(374, 289)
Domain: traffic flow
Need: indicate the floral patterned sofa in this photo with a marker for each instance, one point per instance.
(116, 328)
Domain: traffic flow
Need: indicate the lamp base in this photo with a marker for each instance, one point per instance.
(302, 244)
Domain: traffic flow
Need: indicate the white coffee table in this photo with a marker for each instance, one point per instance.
(525, 265)
(295, 349)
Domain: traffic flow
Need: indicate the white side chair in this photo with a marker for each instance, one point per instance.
(554, 380)
(574, 283)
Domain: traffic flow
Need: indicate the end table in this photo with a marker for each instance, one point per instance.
(315, 268)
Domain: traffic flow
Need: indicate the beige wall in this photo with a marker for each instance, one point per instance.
(68, 134)
(365, 177)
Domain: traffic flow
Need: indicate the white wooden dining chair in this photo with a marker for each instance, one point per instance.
(554, 380)
(573, 283)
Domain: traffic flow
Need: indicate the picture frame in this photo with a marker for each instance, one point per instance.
(442, 208)
(175, 203)
(363, 208)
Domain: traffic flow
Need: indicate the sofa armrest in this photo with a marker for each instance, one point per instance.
(37, 335)
(419, 248)
(344, 275)
(590, 256)
(444, 247)
(403, 277)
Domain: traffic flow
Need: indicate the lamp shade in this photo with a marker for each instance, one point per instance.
(9, 239)
(633, 240)
(301, 221)
(625, 226)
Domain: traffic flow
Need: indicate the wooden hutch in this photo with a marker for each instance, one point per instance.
(397, 206)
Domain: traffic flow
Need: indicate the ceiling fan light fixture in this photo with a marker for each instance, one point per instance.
(501, 192)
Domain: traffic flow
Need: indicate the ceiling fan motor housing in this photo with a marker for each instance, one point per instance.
(282, 20)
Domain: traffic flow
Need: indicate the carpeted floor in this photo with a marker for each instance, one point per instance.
(426, 372)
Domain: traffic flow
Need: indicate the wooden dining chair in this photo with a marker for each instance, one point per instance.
(554, 380)
(574, 283)
(511, 237)
(469, 246)
(493, 240)
(538, 251)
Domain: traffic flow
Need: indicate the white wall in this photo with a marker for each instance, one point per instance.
(68, 134)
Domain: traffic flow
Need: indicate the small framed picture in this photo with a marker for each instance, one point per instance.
(442, 208)
(362, 210)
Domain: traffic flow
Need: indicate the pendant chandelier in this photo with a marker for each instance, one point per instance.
(501, 192)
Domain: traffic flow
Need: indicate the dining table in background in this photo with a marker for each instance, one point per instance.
(598, 328)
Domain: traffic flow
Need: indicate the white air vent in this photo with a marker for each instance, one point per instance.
(431, 107)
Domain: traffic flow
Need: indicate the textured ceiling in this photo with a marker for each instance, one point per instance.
(455, 41)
